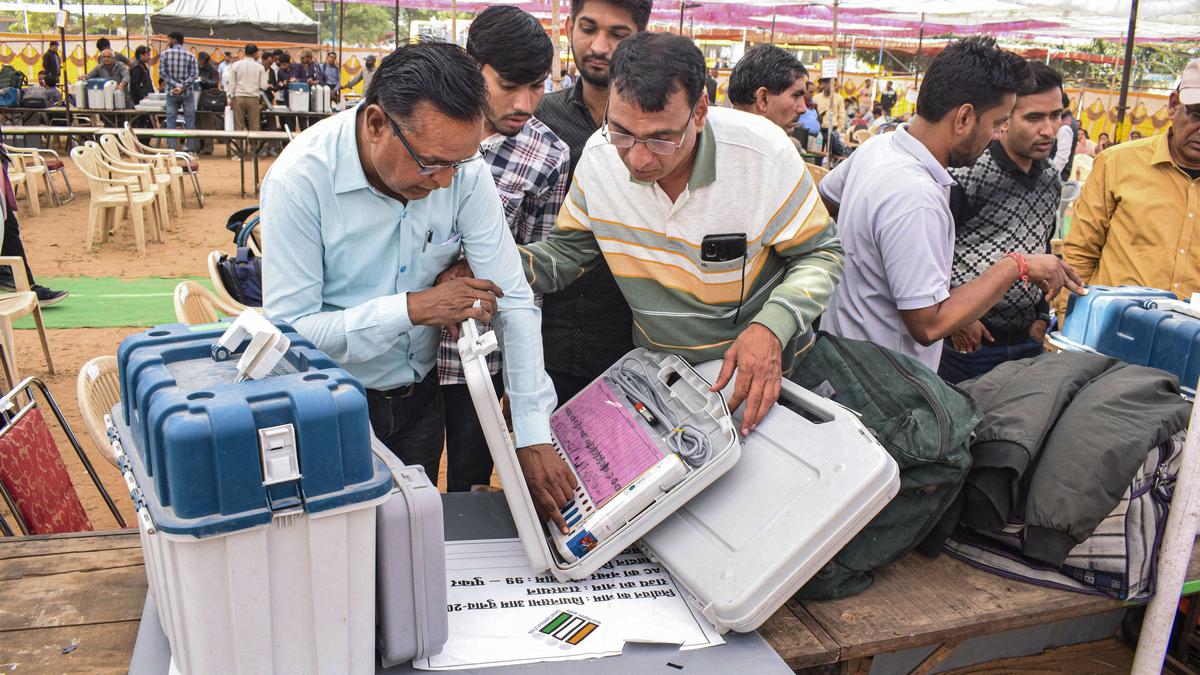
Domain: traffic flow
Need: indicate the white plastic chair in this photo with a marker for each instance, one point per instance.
(111, 198)
(1070, 193)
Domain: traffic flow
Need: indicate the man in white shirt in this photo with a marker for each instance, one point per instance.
(891, 199)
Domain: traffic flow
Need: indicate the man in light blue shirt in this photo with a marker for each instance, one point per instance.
(362, 211)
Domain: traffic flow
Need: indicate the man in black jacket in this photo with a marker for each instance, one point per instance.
(141, 83)
(52, 64)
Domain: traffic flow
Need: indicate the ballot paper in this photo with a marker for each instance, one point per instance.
(607, 447)
(502, 613)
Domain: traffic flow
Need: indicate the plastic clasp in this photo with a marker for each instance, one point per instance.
(472, 345)
(277, 446)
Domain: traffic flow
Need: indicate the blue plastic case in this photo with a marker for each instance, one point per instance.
(1142, 326)
(195, 433)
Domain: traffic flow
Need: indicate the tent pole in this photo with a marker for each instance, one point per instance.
(833, 93)
(396, 21)
(146, 20)
(555, 36)
(62, 36)
(341, 42)
(454, 21)
(1126, 71)
(25, 15)
(682, 3)
(83, 39)
(772, 25)
(126, 6)
(920, 42)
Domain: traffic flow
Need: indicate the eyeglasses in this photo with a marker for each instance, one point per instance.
(655, 145)
(423, 168)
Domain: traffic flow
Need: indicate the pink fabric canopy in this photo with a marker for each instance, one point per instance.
(881, 18)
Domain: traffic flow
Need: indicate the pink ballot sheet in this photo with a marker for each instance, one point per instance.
(607, 446)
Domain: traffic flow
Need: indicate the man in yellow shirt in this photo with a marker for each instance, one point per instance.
(829, 102)
(1136, 221)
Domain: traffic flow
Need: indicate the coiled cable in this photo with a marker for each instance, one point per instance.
(685, 440)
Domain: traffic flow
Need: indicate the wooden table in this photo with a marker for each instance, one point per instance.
(73, 603)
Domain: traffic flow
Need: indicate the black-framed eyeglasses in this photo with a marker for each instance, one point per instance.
(423, 168)
(655, 145)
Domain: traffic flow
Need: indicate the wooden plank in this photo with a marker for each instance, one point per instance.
(929, 663)
(795, 642)
(20, 547)
(918, 601)
(103, 648)
(61, 563)
(1106, 656)
(72, 598)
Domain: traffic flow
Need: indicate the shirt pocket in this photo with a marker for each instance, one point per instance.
(437, 256)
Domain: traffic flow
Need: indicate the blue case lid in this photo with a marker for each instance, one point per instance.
(299, 86)
(193, 432)
(96, 82)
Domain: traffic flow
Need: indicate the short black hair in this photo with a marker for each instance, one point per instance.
(251, 49)
(439, 73)
(877, 110)
(1066, 100)
(648, 67)
(176, 36)
(638, 9)
(54, 43)
(510, 40)
(103, 43)
(285, 57)
(1044, 79)
(142, 49)
(279, 53)
(973, 70)
(764, 66)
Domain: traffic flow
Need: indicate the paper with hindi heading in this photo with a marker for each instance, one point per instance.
(605, 444)
(502, 613)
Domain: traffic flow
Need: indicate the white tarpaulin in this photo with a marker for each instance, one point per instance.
(236, 19)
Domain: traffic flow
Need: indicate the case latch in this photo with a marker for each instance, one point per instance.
(280, 466)
(472, 345)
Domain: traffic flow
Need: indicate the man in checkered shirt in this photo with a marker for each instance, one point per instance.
(179, 70)
(530, 165)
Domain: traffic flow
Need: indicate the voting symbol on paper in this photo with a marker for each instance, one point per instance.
(566, 628)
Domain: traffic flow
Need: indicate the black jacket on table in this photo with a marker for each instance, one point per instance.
(1061, 437)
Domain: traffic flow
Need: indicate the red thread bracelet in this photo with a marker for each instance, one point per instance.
(1022, 266)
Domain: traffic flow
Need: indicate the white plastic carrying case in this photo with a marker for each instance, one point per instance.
(742, 533)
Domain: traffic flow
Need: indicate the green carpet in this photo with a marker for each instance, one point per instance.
(110, 302)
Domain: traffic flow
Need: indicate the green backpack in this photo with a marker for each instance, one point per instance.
(925, 424)
(11, 77)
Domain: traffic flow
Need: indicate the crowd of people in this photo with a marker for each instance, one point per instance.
(248, 81)
(627, 210)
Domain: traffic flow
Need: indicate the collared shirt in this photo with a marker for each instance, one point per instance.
(330, 76)
(587, 326)
(177, 67)
(247, 78)
(998, 208)
(295, 71)
(363, 76)
(116, 72)
(746, 178)
(1135, 222)
(530, 170)
(344, 257)
(895, 222)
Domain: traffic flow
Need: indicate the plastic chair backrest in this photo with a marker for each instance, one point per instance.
(1070, 191)
(1082, 168)
(111, 147)
(862, 135)
(98, 389)
(222, 293)
(194, 304)
(35, 480)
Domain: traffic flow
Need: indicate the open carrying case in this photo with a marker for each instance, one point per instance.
(746, 530)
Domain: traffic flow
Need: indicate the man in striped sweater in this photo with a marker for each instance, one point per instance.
(711, 225)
